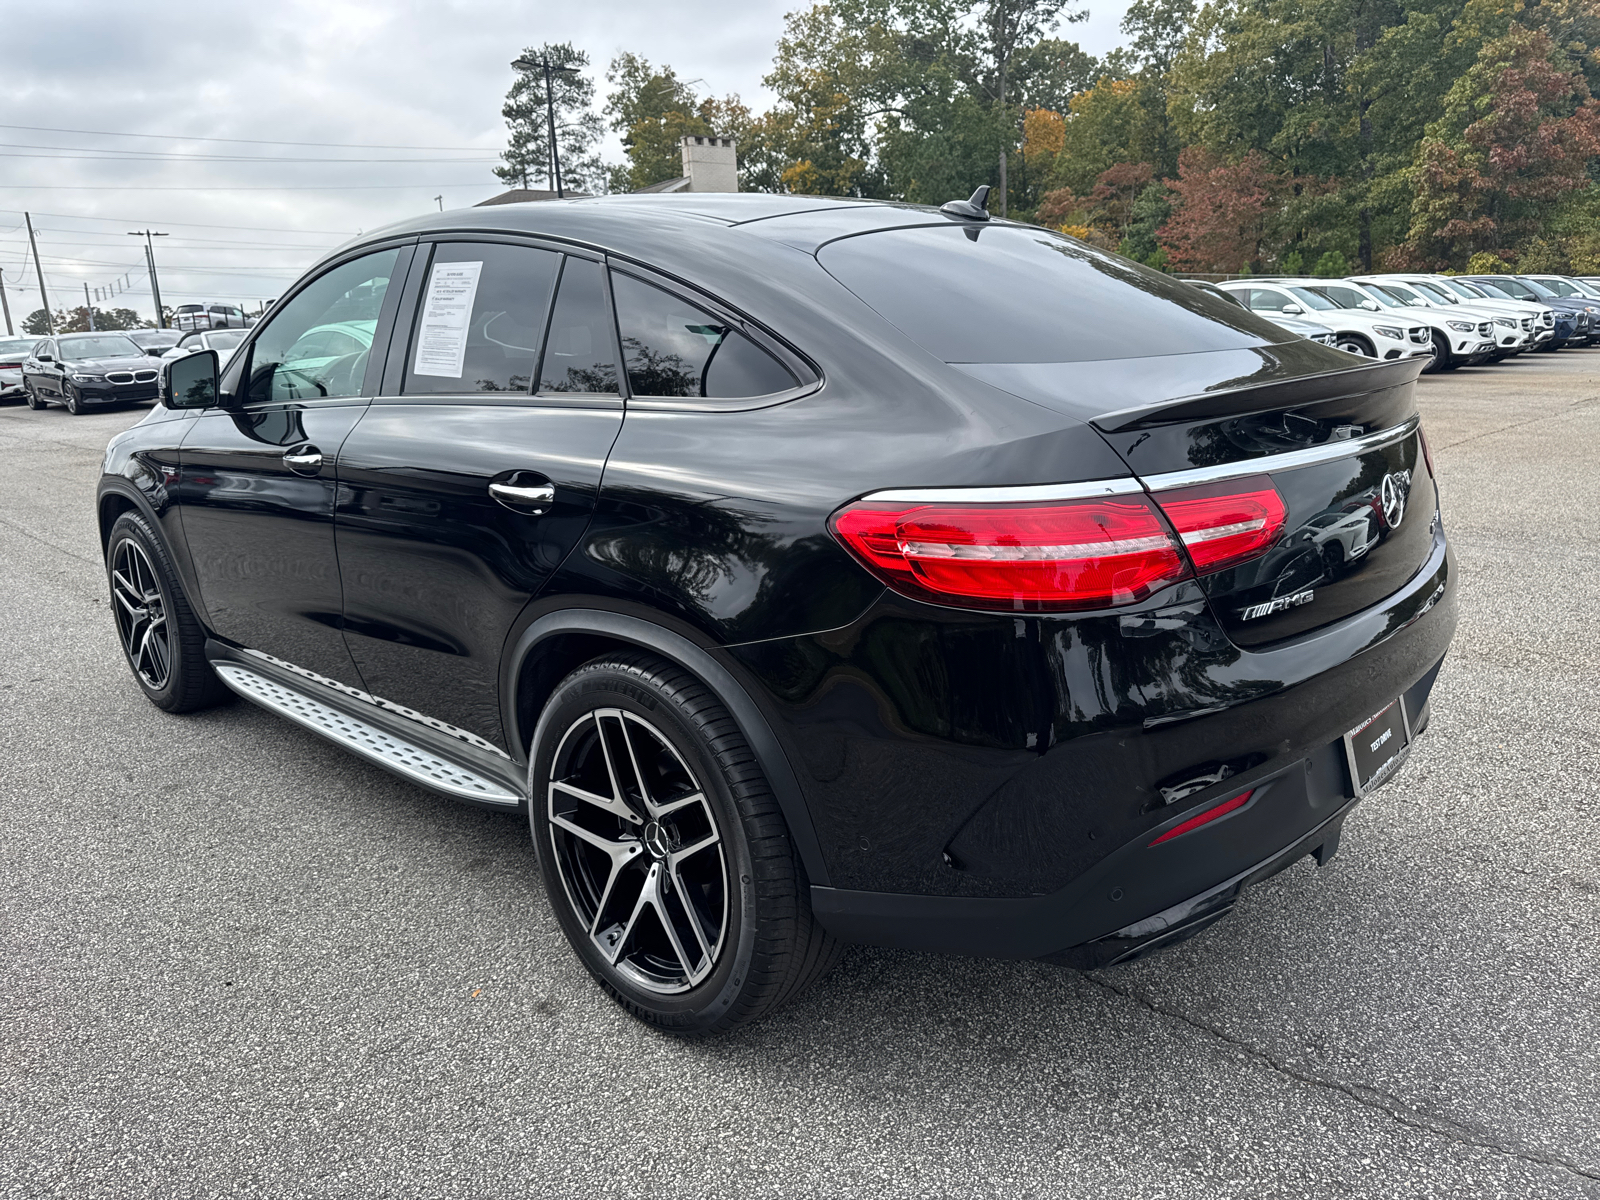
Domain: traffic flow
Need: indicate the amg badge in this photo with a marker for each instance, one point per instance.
(1278, 604)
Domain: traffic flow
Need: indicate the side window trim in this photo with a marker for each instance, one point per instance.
(798, 365)
(582, 399)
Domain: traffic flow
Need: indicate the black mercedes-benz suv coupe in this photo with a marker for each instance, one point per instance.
(810, 571)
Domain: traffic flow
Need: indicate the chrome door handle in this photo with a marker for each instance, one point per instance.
(303, 460)
(533, 500)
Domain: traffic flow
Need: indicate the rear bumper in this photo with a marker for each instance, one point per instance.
(1138, 895)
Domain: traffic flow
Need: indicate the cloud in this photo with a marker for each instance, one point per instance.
(323, 71)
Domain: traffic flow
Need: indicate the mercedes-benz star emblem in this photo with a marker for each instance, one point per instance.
(657, 840)
(1393, 494)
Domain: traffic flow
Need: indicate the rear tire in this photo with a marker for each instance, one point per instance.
(162, 639)
(33, 401)
(664, 853)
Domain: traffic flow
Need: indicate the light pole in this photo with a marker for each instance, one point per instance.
(550, 69)
(49, 325)
(6, 304)
(150, 259)
(88, 307)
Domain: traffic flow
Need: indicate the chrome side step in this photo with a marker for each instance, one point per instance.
(367, 740)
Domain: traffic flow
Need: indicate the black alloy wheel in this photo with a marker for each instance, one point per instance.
(74, 403)
(161, 637)
(664, 853)
(33, 400)
(141, 612)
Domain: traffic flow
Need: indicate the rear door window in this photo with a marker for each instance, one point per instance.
(480, 319)
(674, 348)
(1002, 294)
(580, 350)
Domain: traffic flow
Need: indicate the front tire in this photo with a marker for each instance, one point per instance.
(162, 639)
(1352, 344)
(664, 853)
(74, 405)
(1441, 360)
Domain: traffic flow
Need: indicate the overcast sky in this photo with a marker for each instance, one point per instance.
(245, 217)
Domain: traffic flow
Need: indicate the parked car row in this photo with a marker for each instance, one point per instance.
(84, 370)
(189, 317)
(1452, 320)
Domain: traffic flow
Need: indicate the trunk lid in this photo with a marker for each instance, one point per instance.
(1342, 447)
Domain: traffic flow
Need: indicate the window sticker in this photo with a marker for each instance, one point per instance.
(446, 315)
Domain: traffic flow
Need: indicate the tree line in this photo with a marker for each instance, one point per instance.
(1232, 136)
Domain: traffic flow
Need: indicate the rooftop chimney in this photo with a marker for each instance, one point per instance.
(710, 164)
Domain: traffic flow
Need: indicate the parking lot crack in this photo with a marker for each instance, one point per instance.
(59, 549)
(1555, 416)
(1367, 1097)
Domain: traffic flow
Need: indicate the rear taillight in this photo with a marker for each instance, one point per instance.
(1069, 555)
(5, 366)
(1225, 524)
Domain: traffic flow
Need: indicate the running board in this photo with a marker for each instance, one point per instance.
(366, 739)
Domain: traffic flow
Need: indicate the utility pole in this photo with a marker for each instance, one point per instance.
(6, 304)
(440, 199)
(550, 70)
(49, 325)
(88, 308)
(150, 259)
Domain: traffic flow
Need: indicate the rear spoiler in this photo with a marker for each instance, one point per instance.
(1296, 391)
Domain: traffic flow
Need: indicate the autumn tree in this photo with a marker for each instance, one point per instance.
(1518, 134)
(1219, 212)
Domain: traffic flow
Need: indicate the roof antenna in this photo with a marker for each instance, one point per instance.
(975, 209)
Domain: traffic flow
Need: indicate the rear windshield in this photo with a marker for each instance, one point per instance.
(1003, 294)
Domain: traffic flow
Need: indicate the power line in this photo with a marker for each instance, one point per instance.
(140, 156)
(345, 233)
(342, 187)
(181, 137)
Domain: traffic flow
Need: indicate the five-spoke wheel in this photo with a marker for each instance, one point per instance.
(664, 852)
(141, 613)
(638, 850)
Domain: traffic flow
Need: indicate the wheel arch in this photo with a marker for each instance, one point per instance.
(567, 638)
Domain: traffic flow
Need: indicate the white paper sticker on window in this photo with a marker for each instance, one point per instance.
(446, 316)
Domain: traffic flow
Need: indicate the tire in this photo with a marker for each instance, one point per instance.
(1441, 355)
(1354, 344)
(33, 400)
(74, 406)
(162, 640)
(743, 938)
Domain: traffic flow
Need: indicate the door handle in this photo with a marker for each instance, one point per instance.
(303, 460)
(532, 499)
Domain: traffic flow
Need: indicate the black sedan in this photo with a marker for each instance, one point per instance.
(808, 571)
(80, 370)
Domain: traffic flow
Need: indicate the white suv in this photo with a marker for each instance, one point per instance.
(1515, 329)
(1459, 338)
(1355, 330)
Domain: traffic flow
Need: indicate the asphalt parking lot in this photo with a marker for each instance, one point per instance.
(238, 960)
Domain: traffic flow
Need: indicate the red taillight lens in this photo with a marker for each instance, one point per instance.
(1022, 557)
(1225, 524)
(1205, 818)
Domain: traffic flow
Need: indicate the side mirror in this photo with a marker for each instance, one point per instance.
(190, 381)
(1370, 305)
(1293, 310)
(46, 358)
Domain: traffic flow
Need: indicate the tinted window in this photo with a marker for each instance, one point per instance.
(15, 348)
(1002, 294)
(225, 341)
(1344, 297)
(580, 350)
(674, 348)
(1517, 288)
(293, 357)
(1306, 298)
(480, 318)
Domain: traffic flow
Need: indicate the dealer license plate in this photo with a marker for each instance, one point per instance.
(1376, 747)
